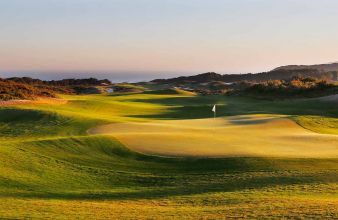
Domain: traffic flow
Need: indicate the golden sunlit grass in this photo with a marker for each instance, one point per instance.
(251, 135)
(247, 204)
(52, 168)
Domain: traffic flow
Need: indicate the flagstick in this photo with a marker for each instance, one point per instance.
(214, 110)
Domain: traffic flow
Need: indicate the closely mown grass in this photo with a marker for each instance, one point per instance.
(319, 124)
(51, 168)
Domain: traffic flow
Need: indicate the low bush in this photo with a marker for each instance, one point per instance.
(295, 87)
(10, 90)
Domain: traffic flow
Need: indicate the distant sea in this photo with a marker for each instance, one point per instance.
(112, 76)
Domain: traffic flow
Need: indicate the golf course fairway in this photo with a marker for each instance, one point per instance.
(163, 156)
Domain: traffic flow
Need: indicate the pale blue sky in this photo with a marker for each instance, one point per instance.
(165, 36)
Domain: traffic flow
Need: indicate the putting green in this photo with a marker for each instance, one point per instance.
(237, 136)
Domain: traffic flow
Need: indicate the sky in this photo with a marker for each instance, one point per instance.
(141, 39)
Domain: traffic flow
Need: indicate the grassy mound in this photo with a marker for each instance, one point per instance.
(223, 137)
(20, 124)
(319, 124)
(174, 91)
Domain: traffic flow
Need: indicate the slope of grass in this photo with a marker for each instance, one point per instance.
(51, 168)
(327, 125)
(265, 135)
(172, 91)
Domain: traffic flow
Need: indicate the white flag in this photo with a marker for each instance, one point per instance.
(214, 108)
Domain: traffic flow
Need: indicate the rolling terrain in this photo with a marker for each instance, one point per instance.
(110, 156)
(320, 67)
(223, 137)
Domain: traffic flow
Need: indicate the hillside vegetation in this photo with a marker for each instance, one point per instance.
(277, 84)
(25, 88)
(293, 88)
(278, 74)
(10, 90)
(321, 67)
(51, 168)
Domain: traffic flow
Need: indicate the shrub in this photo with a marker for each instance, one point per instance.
(10, 90)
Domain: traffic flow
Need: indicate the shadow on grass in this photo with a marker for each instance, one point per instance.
(194, 107)
(148, 177)
(229, 184)
(249, 121)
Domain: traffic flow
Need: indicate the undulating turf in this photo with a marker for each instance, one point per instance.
(265, 135)
(51, 168)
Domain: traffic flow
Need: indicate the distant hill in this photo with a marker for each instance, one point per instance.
(26, 88)
(63, 82)
(277, 74)
(320, 67)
